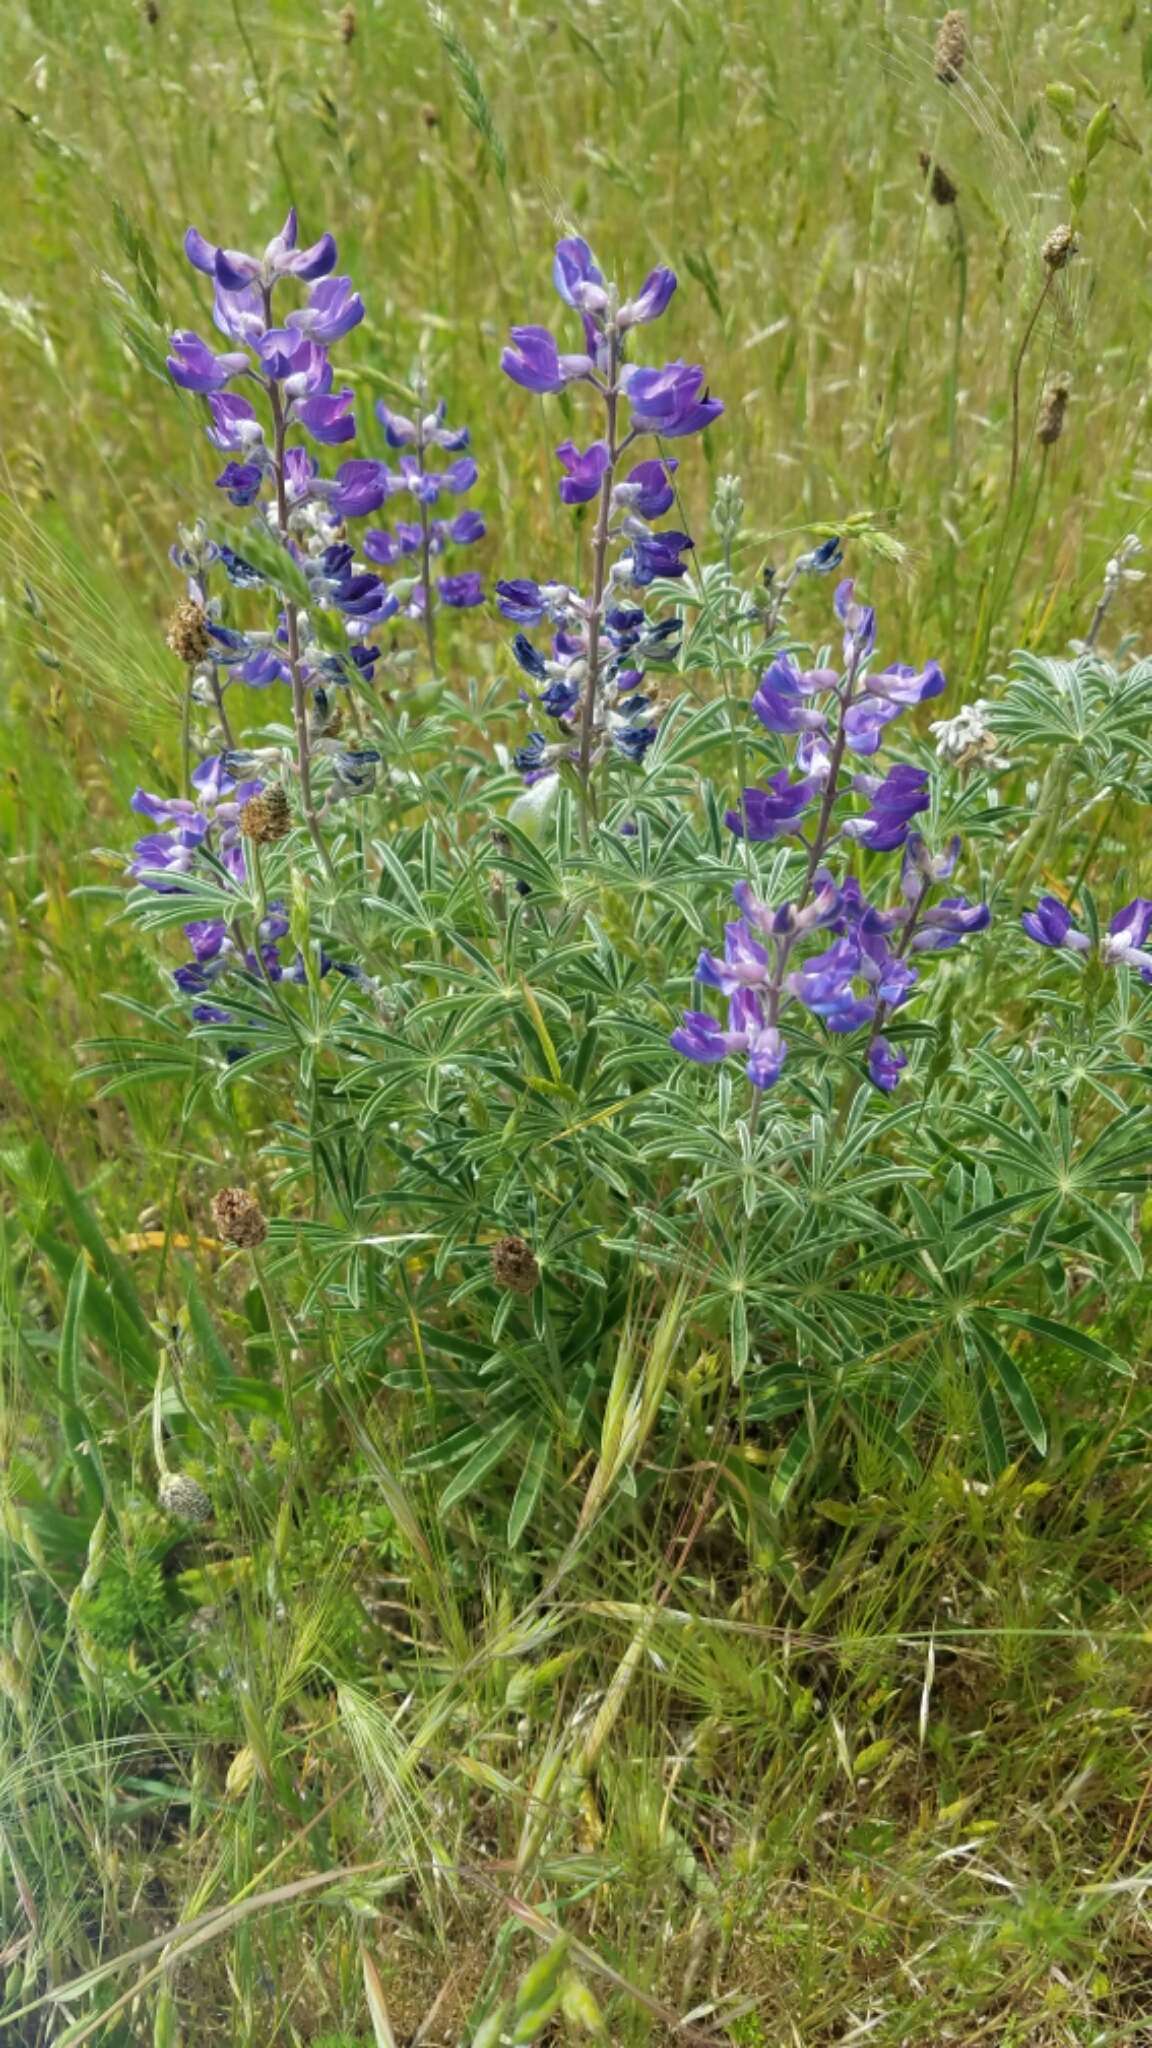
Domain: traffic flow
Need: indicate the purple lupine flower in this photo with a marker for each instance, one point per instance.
(327, 419)
(461, 592)
(534, 361)
(822, 560)
(235, 426)
(240, 315)
(772, 813)
(658, 554)
(366, 602)
(333, 309)
(699, 1037)
(651, 300)
(577, 276)
(858, 621)
(669, 401)
(465, 529)
(583, 472)
(242, 481)
(920, 868)
(234, 269)
(947, 922)
(893, 803)
(647, 489)
(745, 963)
(903, 686)
(195, 366)
(824, 985)
(886, 1063)
(361, 486)
(864, 720)
(1121, 944)
(786, 921)
(300, 473)
(521, 601)
(779, 700)
(1051, 924)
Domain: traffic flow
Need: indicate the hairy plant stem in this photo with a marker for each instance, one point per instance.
(299, 698)
(599, 578)
(426, 564)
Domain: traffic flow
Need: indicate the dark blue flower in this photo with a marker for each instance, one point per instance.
(886, 1063)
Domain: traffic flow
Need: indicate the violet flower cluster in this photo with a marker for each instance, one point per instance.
(201, 838)
(868, 970)
(1122, 945)
(269, 397)
(590, 680)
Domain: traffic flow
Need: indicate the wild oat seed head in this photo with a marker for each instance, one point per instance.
(266, 817)
(238, 1217)
(951, 46)
(940, 184)
(1059, 247)
(184, 1497)
(188, 635)
(514, 1265)
(1053, 406)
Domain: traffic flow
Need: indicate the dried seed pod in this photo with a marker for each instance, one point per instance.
(178, 1495)
(1053, 406)
(188, 635)
(266, 817)
(430, 115)
(346, 23)
(238, 1217)
(940, 184)
(1059, 247)
(951, 46)
(514, 1265)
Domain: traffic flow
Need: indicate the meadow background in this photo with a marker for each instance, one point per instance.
(766, 1798)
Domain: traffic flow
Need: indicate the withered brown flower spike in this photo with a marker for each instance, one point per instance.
(184, 1497)
(514, 1265)
(266, 817)
(1059, 247)
(1053, 406)
(188, 635)
(239, 1219)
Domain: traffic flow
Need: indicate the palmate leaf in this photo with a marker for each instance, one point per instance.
(1010, 1379)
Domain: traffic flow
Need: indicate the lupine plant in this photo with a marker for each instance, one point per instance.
(498, 1071)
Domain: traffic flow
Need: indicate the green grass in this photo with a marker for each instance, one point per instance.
(867, 1762)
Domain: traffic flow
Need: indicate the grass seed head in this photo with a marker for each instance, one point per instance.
(951, 46)
(1059, 247)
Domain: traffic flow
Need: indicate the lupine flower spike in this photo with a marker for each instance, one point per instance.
(590, 682)
(865, 969)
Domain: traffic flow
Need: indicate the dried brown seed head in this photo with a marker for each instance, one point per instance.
(951, 46)
(188, 635)
(346, 23)
(514, 1265)
(1053, 406)
(1059, 247)
(266, 817)
(430, 115)
(179, 1495)
(238, 1217)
